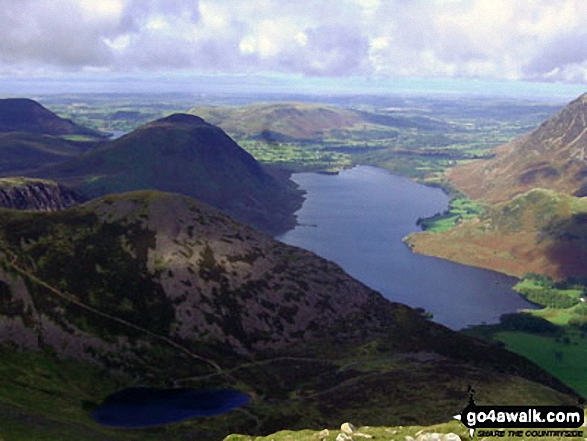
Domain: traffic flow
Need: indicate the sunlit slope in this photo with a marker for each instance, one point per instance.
(554, 156)
(540, 231)
(36, 194)
(292, 121)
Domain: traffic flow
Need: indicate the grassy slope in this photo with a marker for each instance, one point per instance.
(540, 231)
(389, 433)
(417, 372)
(552, 156)
(24, 152)
(566, 361)
(280, 120)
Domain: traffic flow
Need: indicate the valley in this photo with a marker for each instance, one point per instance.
(141, 286)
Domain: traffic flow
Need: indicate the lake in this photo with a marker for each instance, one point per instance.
(358, 218)
(147, 406)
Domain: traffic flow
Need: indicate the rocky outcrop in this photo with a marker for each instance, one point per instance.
(36, 194)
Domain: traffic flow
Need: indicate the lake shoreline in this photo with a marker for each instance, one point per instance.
(359, 218)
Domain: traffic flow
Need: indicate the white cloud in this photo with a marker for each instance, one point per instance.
(503, 39)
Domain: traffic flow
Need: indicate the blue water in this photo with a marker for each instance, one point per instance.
(146, 407)
(358, 219)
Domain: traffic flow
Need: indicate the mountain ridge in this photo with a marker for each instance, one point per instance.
(166, 291)
(184, 154)
(27, 115)
(553, 156)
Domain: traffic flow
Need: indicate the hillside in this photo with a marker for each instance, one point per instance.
(540, 231)
(554, 156)
(26, 115)
(36, 194)
(291, 121)
(25, 153)
(157, 289)
(184, 154)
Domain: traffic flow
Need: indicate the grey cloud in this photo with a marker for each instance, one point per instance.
(136, 12)
(58, 36)
(562, 51)
(53, 34)
(335, 50)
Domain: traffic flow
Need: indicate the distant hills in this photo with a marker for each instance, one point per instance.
(554, 156)
(158, 289)
(184, 154)
(26, 115)
(291, 121)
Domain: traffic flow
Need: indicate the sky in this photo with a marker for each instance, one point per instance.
(332, 44)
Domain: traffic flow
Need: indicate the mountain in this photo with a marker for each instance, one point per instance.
(540, 231)
(156, 289)
(554, 156)
(184, 154)
(279, 121)
(291, 121)
(36, 194)
(25, 153)
(26, 115)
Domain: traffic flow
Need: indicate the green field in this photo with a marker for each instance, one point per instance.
(554, 337)
(564, 357)
(417, 137)
(459, 209)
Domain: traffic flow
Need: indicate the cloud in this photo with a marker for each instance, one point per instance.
(497, 39)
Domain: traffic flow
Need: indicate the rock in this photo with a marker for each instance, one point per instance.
(323, 434)
(343, 437)
(430, 437)
(36, 194)
(452, 437)
(362, 435)
(410, 438)
(347, 428)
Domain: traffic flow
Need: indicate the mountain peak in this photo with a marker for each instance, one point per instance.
(553, 156)
(26, 115)
(181, 118)
(184, 154)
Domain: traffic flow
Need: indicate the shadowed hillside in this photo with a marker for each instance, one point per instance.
(25, 115)
(156, 289)
(184, 154)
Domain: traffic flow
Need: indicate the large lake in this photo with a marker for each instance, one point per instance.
(358, 219)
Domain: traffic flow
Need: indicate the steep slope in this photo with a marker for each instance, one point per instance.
(24, 153)
(554, 156)
(540, 231)
(184, 154)
(26, 115)
(36, 194)
(291, 121)
(161, 290)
